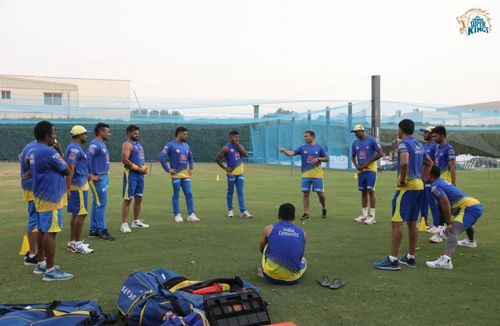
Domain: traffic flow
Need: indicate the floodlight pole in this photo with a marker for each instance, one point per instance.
(376, 106)
(349, 126)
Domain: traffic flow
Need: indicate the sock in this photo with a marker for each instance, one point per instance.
(410, 256)
(31, 255)
(50, 269)
(372, 212)
(364, 211)
(42, 263)
(392, 258)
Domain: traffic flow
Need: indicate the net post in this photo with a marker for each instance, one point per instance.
(327, 133)
(376, 106)
(278, 137)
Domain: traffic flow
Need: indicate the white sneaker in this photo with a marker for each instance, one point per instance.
(178, 218)
(82, 249)
(441, 262)
(467, 243)
(432, 229)
(139, 224)
(70, 246)
(125, 228)
(193, 218)
(436, 238)
(246, 215)
(370, 220)
(230, 214)
(360, 219)
(441, 232)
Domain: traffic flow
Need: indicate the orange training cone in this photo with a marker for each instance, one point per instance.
(25, 246)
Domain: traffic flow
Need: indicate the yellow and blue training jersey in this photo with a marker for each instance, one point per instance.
(416, 156)
(26, 183)
(234, 160)
(179, 157)
(444, 154)
(75, 155)
(307, 154)
(98, 157)
(365, 150)
(136, 156)
(286, 245)
(49, 186)
(430, 149)
(457, 198)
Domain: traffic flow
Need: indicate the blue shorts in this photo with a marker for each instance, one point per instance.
(50, 221)
(367, 180)
(77, 204)
(315, 183)
(406, 205)
(468, 216)
(32, 217)
(133, 185)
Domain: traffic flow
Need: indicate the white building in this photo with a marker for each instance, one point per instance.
(61, 97)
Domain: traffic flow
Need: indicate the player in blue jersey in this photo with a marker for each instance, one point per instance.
(312, 156)
(444, 158)
(445, 155)
(365, 152)
(98, 158)
(27, 186)
(77, 188)
(133, 178)
(413, 165)
(428, 200)
(48, 169)
(283, 246)
(460, 212)
(177, 160)
(233, 153)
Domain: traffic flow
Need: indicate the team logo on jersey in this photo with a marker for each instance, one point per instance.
(231, 150)
(474, 21)
(183, 157)
(177, 150)
(305, 152)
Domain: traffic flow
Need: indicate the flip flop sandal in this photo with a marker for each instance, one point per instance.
(324, 281)
(337, 284)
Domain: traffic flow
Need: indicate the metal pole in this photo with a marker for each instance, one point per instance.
(292, 134)
(349, 125)
(376, 106)
(309, 119)
(278, 137)
(327, 133)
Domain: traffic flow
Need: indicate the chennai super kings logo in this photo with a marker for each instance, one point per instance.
(474, 21)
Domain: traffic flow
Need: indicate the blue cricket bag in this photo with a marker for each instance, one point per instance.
(143, 300)
(56, 313)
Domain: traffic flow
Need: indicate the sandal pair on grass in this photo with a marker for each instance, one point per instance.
(334, 284)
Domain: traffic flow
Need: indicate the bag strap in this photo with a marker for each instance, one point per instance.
(235, 283)
(173, 282)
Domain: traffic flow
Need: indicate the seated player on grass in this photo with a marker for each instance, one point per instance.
(282, 247)
(460, 211)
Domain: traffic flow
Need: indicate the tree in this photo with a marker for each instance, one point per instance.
(279, 111)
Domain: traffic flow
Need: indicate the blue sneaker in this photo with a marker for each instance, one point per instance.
(387, 264)
(410, 262)
(42, 269)
(56, 275)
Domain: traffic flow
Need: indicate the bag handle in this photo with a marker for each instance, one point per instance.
(235, 283)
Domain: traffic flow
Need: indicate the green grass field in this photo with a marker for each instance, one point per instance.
(218, 247)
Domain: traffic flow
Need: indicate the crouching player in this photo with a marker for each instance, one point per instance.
(282, 247)
(465, 211)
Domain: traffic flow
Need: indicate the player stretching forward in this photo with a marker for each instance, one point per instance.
(413, 164)
(233, 154)
(465, 211)
(133, 178)
(77, 188)
(365, 153)
(180, 158)
(312, 155)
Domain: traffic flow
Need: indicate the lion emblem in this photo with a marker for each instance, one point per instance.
(474, 20)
